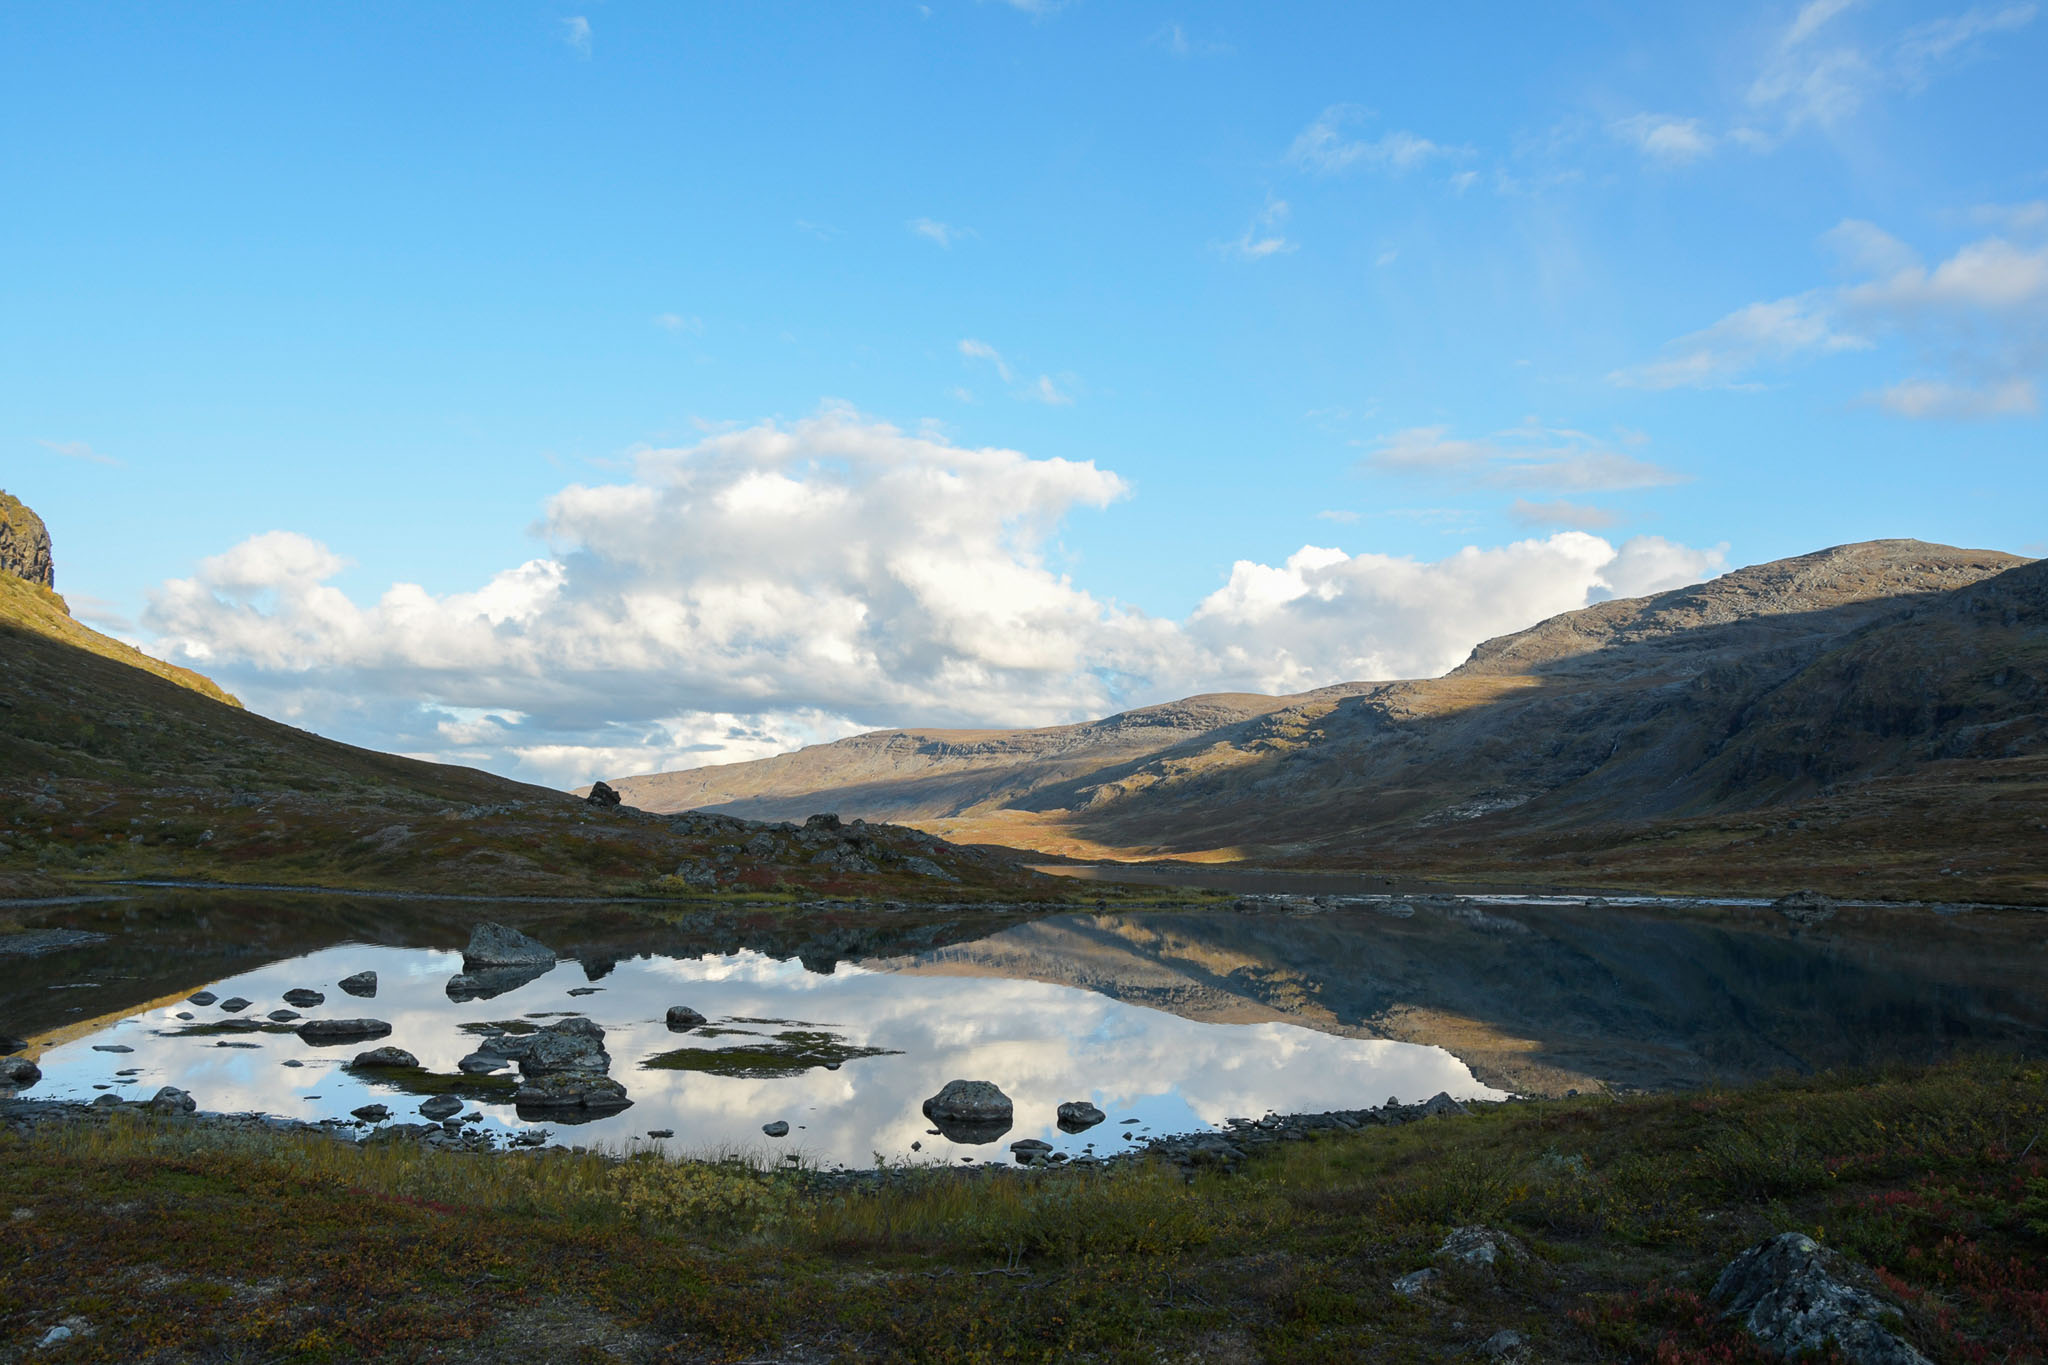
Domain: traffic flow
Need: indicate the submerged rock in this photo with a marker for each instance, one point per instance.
(372, 1113)
(1795, 1296)
(481, 1064)
(681, 1019)
(236, 1005)
(332, 1032)
(304, 998)
(498, 945)
(202, 998)
(362, 985)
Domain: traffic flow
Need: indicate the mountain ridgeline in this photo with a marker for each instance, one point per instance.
(1871, 717)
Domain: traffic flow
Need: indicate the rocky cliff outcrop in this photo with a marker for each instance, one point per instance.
(24, 543)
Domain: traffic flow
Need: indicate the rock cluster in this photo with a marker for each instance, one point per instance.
(564, 1068)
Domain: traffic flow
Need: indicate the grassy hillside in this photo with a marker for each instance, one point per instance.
(113, 764)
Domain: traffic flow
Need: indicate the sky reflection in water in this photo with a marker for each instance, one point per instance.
(1041, 1043)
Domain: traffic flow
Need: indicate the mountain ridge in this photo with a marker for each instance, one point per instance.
(1773, 686)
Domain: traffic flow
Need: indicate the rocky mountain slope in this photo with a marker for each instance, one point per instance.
(1657, 740)
(24, 543)
(115, 764)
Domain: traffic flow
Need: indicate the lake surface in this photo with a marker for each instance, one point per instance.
(841, 1024)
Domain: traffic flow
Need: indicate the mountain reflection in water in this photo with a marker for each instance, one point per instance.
(1178, 1019)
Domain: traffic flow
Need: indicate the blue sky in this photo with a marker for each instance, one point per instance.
(1496, 309)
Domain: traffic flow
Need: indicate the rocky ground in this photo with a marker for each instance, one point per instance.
(1892, 1217)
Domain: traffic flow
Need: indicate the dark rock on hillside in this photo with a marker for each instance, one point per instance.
(24, 543)
(601, 794)
(1796, 1296)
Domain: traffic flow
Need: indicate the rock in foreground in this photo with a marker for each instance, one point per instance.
(1795, 1296)
(1078, 1116)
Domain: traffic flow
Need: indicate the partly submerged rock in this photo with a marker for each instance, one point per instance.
(236, 1005)
(1441, 1105)
(1795, 1296)
(570, 1047)
(481, 1064)
(441, 1107)
(776, 1129)
(372, 1113)
(385, 1057)
(973, 1112)
(19, 1072)
(202, 998)
(498, 945)
(569, 1097)
(303, 998)
(363, 985)
(681, 1019)
(332, 1032)
(1028, 1150)
(1078, 1116)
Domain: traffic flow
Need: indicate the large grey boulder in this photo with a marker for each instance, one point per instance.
(498, 945)
(1796, 1296)
(602, 796)
(332, 1032)
(973, 1112)
(572, 1047)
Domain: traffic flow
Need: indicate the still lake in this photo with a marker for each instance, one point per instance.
(841, 1024)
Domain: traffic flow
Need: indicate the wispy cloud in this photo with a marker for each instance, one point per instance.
(677, 322)
(1979, 320)
(981, 350)
(824, 232)
(1049, 393)
(1818, 72)
(1665, 138)
(1262, 236)
(1573, 516)
(1174, 39)
(576, 33)
(1326, 147)
(79, 450)
(1531, 456)
(932, 230)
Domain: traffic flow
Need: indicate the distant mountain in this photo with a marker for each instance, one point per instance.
(115, 764)
(1653, 741)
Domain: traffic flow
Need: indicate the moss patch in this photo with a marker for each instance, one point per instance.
(792, 1053)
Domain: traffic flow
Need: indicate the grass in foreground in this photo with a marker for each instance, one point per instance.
(179, 1243)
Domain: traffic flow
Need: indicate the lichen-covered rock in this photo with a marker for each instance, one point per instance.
(171, 1100)
(572, 1047)
(1796, 1296)
(25, 543)
(1480, 1246)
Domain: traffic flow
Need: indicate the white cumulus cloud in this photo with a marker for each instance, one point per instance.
(783, 584)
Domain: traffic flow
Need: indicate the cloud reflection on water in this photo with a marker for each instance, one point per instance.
(1042, 1043)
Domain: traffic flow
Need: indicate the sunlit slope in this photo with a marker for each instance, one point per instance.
(1854, 681)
